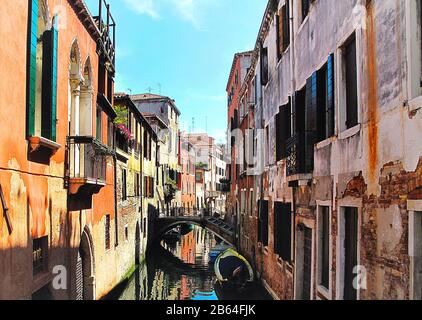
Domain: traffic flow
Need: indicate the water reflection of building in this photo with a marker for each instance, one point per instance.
(161, 280)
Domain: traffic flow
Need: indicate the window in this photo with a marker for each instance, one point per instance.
(42, 73)
(325, 100)
(251, 202)
(324, 246)
(145, 227)
(99, 131)
(305, 8)
(415, 250)
(283, 29)
(40, 255)
(243, 202)
(264, 66)
(124, 185)
(350, 251)
(283, 129)
(107, 232)
(263, 223)
(283, 230)
(126, 233)
(137, 184)
(350, 82)
(110, 133)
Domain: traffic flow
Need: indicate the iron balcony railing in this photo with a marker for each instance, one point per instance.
(87, 159)
(300, 153)
(107, 26)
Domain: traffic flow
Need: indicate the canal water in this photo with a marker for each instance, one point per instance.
(180, 269)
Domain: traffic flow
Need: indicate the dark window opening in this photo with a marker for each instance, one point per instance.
(263, 223)
(351, 253)
(325, 247)
(99, 124)
(264, 66)
(110, 133)
(124, 186)
(351, 82)
(283, 230)
(283, 129)
(40, 255)
(283, 30)
(305, 8)
(107, 232)
(101, 78)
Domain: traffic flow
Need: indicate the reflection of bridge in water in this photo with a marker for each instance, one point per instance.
(219, 227)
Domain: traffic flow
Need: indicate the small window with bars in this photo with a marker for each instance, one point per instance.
(107, 232)
(40, 255)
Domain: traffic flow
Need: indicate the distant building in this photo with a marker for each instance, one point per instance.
(209, 158)
(166, 110)
(240, 66)
(188, 157)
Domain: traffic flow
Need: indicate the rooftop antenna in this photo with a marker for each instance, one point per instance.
(159, 88)
(193, 125)
(129, 90)
(149, 89)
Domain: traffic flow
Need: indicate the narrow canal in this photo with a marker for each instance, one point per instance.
(180, 269)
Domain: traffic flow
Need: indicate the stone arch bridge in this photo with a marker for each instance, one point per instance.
(218, 227)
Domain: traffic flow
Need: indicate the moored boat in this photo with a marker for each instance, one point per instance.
(233, 271)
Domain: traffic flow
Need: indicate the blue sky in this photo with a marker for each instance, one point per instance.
(184, 47)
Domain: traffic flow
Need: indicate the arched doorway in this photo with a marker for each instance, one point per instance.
(85, 276)
(137, 245)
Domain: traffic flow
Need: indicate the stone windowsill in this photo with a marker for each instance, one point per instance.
(415, 104)
(36, 143)
(325, 143)
(350, 132)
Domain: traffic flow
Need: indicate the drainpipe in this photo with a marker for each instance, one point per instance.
(116, 213)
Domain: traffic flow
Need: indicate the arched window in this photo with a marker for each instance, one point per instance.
(42, 75)
(86, 97)
(75, 79)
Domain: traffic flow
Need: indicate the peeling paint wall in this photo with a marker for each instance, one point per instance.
(374, 166)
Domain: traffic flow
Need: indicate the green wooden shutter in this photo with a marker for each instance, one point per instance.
(33, 32)
(49, 88)
(54, 81)
(310, 121)
(330, 96)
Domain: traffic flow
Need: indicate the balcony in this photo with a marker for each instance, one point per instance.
(300, 156)
(107, 27)
(86, 169)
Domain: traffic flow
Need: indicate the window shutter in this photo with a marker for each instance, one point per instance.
(330, 96)
(286, 25)
(310, 121)
(49, 88)
(279, 34)
(32, 65)
(264, 65)
(285, 221)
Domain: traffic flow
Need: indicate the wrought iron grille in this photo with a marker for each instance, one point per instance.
(87, 158)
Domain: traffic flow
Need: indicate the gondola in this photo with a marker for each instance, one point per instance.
(234, 273)
(216, 251)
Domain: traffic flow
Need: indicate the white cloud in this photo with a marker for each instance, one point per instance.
(192, 11)
(143, 7)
